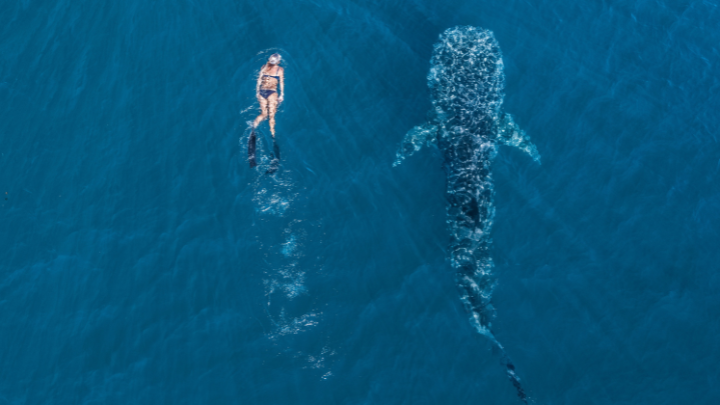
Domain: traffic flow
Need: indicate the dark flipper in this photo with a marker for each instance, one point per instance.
(276, 150)
(510, 371)
(252, 146)
(275, 163)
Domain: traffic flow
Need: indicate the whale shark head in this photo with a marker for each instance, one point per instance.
(467, 85)
(466, 76)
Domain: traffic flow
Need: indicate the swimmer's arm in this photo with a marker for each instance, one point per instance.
(259, 81)
(282, 85)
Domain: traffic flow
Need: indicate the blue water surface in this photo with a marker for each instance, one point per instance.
(143, 262)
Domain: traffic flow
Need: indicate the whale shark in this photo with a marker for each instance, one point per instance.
(467, 123)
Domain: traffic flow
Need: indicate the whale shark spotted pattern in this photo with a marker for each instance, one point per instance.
(467, 83)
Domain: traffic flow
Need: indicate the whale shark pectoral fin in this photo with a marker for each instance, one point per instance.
(510, 134)
(414, 141)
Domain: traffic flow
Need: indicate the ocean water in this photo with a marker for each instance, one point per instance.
(143, 262)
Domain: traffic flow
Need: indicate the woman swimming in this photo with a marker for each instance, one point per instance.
(271, 75)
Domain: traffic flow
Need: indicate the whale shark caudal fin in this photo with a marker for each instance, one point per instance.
(414, 140)
(510, 134)
(480, 320)
(509, 369)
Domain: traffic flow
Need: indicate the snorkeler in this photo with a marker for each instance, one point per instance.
(271, 75)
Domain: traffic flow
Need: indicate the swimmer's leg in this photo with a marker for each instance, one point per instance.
(272, 109)
(263, 111)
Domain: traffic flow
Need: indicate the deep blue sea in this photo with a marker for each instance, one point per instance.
(142, 261)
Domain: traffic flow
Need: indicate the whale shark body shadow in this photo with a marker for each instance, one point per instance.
(467, 83)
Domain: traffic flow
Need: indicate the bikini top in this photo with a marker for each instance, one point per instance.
(276, 77)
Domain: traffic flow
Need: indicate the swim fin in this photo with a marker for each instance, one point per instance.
(252, 146)
(275, 163)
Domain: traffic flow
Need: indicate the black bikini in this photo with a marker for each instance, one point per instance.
(267, 93)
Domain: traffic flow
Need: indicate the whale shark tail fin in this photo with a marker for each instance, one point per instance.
(475, 293)
(414, 141)
(510, 371)
(505, 361)
(510, 134)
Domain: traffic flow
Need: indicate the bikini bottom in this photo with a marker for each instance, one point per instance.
(266, 93)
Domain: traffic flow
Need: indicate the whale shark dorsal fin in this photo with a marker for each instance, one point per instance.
(510, 134)
(414, 141)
